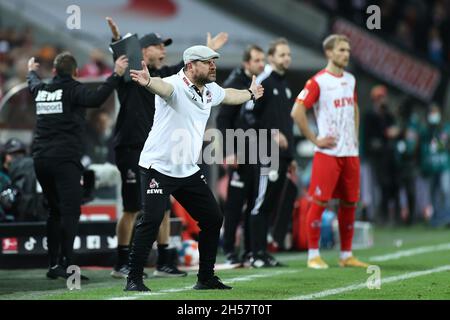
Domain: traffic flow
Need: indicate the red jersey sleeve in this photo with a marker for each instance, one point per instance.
(310, 93)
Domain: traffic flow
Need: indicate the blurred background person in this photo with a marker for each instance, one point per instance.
(380, 134)
(241, 177)
(435, 156)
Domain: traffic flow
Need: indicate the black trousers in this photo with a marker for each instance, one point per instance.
(195, 196)
(60, 182)
(269, 202)
(241, 191)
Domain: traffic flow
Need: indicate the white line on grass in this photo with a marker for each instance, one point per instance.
(411, 252)
(231, 280)
(330, 292)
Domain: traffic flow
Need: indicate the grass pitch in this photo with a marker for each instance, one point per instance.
(418, 269)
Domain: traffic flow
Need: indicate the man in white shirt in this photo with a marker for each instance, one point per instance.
(169, 159)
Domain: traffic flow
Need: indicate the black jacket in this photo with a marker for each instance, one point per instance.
(273, 110)
(60, 110)
(137, 109)
(229, 116)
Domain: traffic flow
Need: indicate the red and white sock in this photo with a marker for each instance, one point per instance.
(346, 218)
(314, 221)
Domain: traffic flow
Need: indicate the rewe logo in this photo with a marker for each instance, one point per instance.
(344, 102)
(49, 96)
(154, 188)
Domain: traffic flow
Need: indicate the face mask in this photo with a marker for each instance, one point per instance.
(434, 118)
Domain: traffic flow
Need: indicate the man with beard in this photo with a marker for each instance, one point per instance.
(241, 173)
(271, 113)
(169, 158)
(134, 121)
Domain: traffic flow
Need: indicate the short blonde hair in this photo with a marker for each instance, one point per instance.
(330, 42)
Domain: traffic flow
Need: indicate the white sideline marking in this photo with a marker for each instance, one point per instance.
(386, 257)
(231, 280)
(411, 252)
(401, 277)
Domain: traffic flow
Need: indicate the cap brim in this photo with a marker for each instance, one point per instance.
(214, 56)
(167, 42)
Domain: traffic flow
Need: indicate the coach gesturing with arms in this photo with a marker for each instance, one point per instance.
(183, 104)
(57, 148)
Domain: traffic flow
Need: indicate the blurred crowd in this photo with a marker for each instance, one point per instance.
(16, 47)
(405, 154)
(418, 26)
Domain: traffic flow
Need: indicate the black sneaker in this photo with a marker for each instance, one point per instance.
(272, 261)
(58, 271)
(167, 271)
(245, 259)
(232, 258)
(134, 285)
(121, 272)
(259, 261)
(213, 283)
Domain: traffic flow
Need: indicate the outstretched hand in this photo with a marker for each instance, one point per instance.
(141, 76)
(114, 28)
(257, 89)
(217, 42)
(32, 65)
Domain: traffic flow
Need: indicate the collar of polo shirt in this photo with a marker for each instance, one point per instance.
(189, 83)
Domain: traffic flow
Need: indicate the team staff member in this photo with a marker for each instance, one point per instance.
(335, 173)
(241, 176)
(271, 112)
(169, 165)
(57, 148)
(134, 121)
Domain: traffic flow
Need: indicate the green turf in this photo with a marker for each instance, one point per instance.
(276, 283)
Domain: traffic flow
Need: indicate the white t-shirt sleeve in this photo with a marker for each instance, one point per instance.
(176, 88)
(218, 94)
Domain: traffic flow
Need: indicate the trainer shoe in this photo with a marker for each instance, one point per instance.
(58, 271)
(232, 258)
(272, 261)
(352, 262)
(135, 285)
(245, 259)
(317, 263)
(121, 272)
(213, 283)
(167, 271)
(259, 261)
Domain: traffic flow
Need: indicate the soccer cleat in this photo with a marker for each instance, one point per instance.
(167, 271)
(352, 262)
(213, 283)
(135, 285)
(122, 272)
(317, 263)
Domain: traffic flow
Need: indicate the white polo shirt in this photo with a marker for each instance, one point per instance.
(175, 141)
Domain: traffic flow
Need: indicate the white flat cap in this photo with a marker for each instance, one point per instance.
(202, 53)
